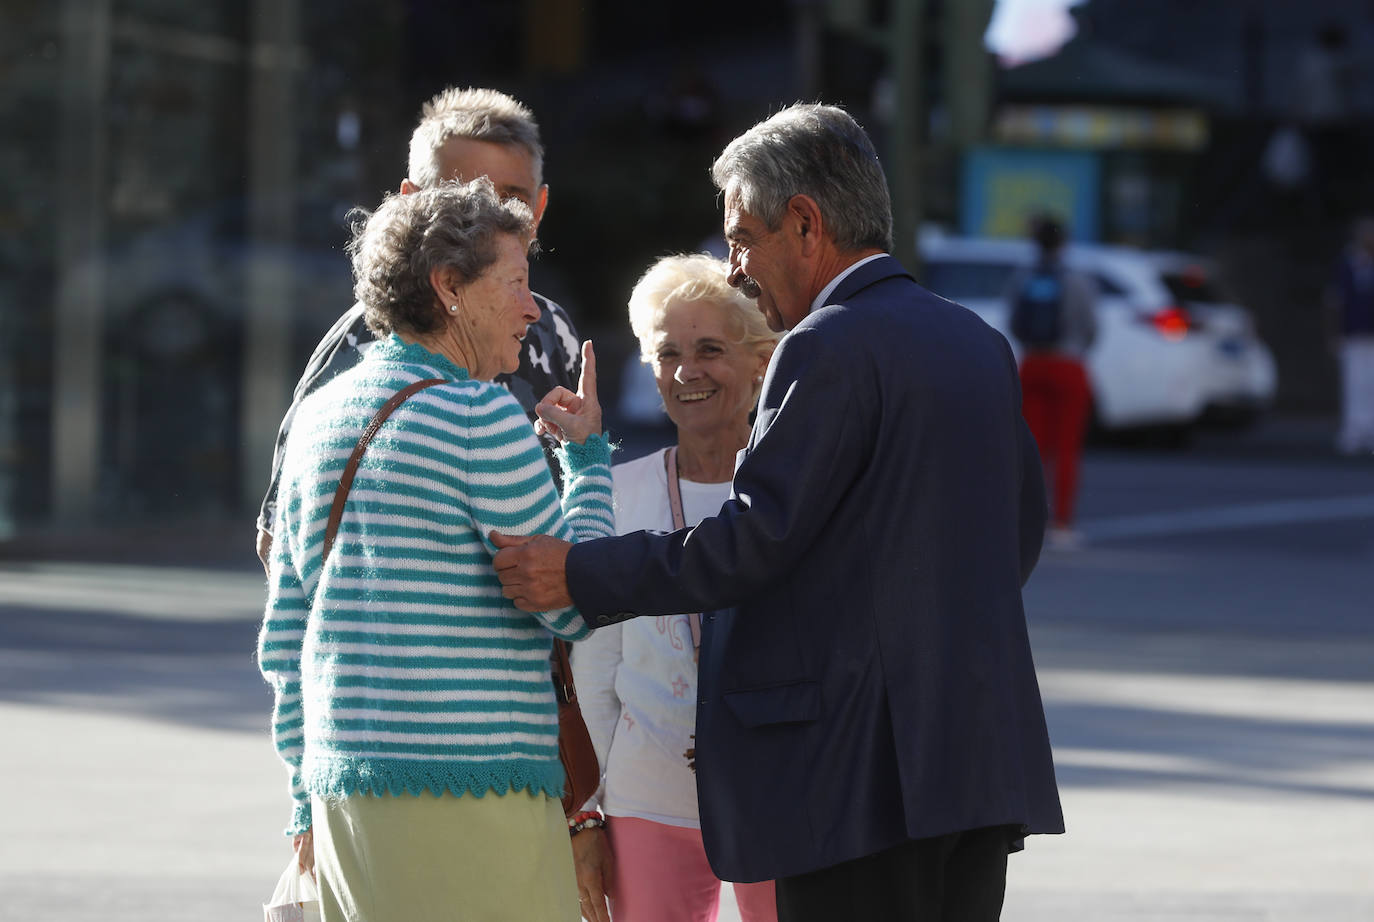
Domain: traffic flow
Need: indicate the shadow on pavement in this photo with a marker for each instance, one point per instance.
(197, 673)
(1123, 746)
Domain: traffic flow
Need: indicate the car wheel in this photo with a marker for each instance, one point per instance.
(1170, 437)
(1231, 419)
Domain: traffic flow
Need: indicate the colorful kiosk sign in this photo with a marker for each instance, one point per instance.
(1001, 187)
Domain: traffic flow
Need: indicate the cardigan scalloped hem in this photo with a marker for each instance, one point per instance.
(329, 778)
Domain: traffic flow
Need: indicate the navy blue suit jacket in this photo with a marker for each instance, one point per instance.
(871, 681)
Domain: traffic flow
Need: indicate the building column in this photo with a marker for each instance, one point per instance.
(555, 36)
(906, 64)
(274, 59)
(968, 72)
(78, 327)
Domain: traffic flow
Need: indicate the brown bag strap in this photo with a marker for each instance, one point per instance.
(350, 469)
(563, 685)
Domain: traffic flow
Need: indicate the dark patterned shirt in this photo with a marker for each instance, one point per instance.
(551, 356)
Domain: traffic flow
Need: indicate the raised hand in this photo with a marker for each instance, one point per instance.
(571, 417)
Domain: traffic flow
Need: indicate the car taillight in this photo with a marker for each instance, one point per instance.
(1172, 322)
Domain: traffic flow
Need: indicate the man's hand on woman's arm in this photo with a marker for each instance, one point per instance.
(533, 570)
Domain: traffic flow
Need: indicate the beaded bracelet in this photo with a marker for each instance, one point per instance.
(589, 819)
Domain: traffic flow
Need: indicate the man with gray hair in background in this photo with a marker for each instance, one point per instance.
(869, 727)
(462, 134)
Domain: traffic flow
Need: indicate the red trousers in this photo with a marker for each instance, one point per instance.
(1055, 400)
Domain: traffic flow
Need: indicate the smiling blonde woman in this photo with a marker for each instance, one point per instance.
(708, 347)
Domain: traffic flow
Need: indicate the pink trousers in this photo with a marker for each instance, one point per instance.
(661, 875)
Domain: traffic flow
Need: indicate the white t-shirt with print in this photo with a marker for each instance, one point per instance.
(637, 680)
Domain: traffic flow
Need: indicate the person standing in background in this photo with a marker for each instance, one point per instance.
(1350, 302)
(1053, 319)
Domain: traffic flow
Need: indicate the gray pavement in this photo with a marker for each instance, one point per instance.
(1206, 658)
(1207, 662)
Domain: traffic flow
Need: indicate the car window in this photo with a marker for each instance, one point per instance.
(1106, 286)
(967, 280)
(1194, 286)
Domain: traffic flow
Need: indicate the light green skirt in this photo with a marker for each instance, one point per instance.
(444, 859)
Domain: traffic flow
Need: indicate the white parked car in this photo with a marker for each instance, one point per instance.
(1243, 378)
(1157, 361)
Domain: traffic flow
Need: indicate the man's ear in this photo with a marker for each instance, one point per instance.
(408, 187)
(806, 221)
(541, 201)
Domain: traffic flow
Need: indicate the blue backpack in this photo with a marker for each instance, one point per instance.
(1037, 316)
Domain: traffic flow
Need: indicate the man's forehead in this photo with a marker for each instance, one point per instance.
(732, 197)
(737, 220)
(509, 166)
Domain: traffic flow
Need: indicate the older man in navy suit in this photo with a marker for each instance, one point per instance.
(869, 728)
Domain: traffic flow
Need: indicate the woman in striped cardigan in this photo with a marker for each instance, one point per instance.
(414, 709)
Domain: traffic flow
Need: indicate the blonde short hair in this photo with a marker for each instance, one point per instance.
(693, 277)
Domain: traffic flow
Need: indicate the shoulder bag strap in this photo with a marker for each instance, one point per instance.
(561, 666)
(679, 522)
(350, 469)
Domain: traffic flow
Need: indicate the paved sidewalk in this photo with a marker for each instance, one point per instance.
(1209, 774)
(149, 787)
(1228, 793)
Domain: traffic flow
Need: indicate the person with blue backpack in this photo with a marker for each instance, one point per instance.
(1052, 318)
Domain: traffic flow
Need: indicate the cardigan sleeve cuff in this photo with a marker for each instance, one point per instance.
(575, 458)
(300, 819)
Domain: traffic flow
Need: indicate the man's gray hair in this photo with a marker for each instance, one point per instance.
(395, 248)
(475, 113)
(817, 151)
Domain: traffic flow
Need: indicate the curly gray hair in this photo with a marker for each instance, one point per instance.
(818, 151)
(395, 248)
(475, 113)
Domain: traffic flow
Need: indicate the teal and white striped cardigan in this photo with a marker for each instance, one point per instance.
(397, 665)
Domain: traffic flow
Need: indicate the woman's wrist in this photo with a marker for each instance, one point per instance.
(596, 449)
(587, 819)
(592, 442)
(301, 820)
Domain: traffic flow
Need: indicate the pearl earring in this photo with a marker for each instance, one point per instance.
(758, 379)
(453, 308)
